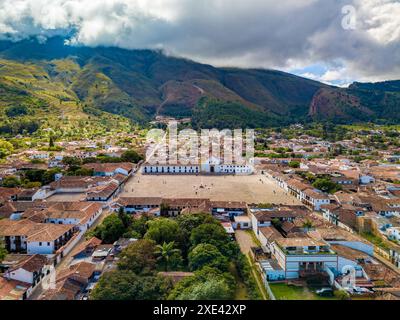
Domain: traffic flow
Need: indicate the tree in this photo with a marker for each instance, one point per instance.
(139, 227)
(126, 219)
(51, 141)
(294, 164)
(72, 161)
(326, 185)
(168, 255)
(206, 284)
(139, 257)
(126, 285)
(6, 148)
(110, 230)
(211, 233)
(11, 182)
(16, 111)
(207, 255)
(163, 230)
(131, 156)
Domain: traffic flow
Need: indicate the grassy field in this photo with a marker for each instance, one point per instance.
(282, 291)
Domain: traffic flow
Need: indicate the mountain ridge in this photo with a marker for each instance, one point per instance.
(142, 84)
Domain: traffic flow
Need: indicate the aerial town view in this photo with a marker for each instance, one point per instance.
(145, 155)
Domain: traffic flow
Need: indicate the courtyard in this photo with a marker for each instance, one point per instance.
(251, 189)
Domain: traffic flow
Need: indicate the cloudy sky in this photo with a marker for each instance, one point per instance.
(335, 41)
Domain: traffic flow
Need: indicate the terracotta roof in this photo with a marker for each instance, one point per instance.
(229, 204)
(300, 242)
(299, 185)
(80, 272)
(91, 243)
(12, 289)
(270, 233)
(139, 201)
(32, 264)
(315, 195)
(109, 167)
(35, 232)
(273, 214)
(103, 191)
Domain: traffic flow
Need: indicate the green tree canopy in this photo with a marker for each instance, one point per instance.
(6, 148)
(207, 255)
(163, 230)
(126, 285)
(139, 257)
(131, 156)
(211, 233)
(326, 185)
(110, 230)
(169, 256)
(206, 284)
(11, 182)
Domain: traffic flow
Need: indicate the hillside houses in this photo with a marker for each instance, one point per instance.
(80, 214)
(110, 169)
(29, 237)
(98, 188)
(24, 274)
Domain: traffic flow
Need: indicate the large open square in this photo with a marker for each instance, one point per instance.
(251, 189)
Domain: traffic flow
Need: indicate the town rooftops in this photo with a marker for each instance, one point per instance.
(270, 233)
(139, 201)
(32, 263)
(80, 272)
(18, 207)
(81, 211)
(34, 232)
(298, 185)
(109, 167)
(103, 192)
(12, 289)
(186, 202)
(269, 215)
(315, 194)
(71, 182)
(300, 242)
(229, 204)
(89, 244)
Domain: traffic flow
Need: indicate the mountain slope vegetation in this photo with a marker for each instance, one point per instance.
(52, 80)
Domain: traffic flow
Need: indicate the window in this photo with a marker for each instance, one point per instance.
(40, 244)
(48, 244)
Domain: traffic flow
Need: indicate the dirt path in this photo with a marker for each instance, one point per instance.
(246, 242)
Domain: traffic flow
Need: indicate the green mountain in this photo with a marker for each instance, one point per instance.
(56, 81)
(375, 102)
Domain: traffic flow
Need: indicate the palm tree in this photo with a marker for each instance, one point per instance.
(165, 252)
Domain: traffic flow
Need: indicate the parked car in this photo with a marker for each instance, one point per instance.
(325, 292)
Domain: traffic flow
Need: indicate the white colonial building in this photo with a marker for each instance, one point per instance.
(211, 166)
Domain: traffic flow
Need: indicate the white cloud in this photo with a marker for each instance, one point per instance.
(253, 33)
